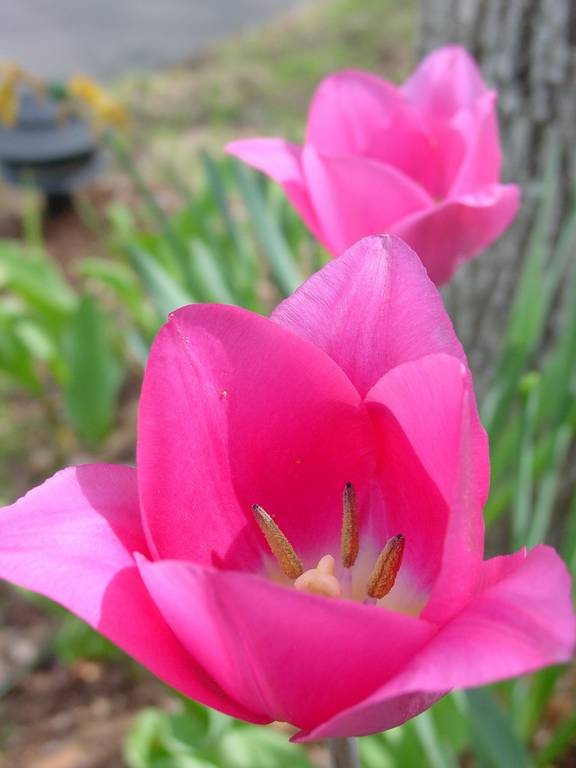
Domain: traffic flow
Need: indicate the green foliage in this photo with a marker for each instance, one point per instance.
(234, 241)
(76, 640)
(55, 339)
(196, 737)
(93, 371)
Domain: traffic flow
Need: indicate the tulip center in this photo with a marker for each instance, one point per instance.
(323, 579)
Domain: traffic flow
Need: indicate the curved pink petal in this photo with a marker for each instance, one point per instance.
(236, 410)
(426, 418)
(356, 196)
(296, 657)
(482, 161)
(71, 539)
(456, 230)
(447, 80)
(522, 622)
(429, 155)
(348, 109)
(371, 310)
(281, 161)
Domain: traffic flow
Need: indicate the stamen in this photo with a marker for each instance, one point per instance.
(386, 569)
(350, 541)
(283, 551)
(321, 580)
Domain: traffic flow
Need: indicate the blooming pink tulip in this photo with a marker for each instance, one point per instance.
(421, 161)
(302, 538)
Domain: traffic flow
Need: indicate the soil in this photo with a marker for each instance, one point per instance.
(57, 715)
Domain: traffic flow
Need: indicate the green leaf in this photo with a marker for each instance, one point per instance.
(144, 743)
(531, 696)
(165, 293)
(260, 747)
(522, 510)
(76, 640)
(274, 246)
(437, 754)
(94, 374)
(16, 362)
(209, 280)
(494, 739)
(31, 275)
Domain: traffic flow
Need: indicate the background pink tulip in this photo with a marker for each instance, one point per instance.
(421, 161)
(358, 377)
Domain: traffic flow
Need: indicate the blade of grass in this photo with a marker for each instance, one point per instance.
(522, 509)
(209, 276)
(94, 372)
(494, 740)
(548, 487)
(179, 248)
(437, 754)
(165, 293)
(268, 233)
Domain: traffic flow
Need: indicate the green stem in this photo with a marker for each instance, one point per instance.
(343, 753)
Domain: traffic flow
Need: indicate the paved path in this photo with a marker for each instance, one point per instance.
(106, 38)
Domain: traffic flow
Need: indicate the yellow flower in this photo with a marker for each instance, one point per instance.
(10, 75)
(104, 109)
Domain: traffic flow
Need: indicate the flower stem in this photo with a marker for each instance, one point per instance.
(343, 753)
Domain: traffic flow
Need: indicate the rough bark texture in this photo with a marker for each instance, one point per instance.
(527, 51)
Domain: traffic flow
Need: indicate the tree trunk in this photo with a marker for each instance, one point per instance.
(527, 51)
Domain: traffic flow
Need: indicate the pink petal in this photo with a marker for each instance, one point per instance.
(430, 155)
(426, 418)
(371, 310)
(483, 158)
(458, 229)
(297, 657)
(521, 623)
(281, 160)
(447, 80)
(355, 196)
(71, 539)
(236, 410)
(348, 109)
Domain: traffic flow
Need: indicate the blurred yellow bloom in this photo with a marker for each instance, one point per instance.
(10, 75)
(105, 109)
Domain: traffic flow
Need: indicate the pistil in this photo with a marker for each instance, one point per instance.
(321, 580)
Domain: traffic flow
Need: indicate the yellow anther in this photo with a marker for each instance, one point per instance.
(283, 551)
(386, 569)
(321, 580)
(350, 541)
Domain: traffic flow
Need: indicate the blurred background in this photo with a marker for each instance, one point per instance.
(113, 218)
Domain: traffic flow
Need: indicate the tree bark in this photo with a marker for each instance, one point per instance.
(527, 51)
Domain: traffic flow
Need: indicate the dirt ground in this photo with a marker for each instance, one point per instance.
(55, 715)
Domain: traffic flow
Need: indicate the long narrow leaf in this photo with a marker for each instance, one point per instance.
(495, 741)
(274, 246)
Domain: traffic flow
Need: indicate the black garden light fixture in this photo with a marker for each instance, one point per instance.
(53, 153)
(51, 137)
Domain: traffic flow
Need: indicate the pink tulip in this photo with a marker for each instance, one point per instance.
(421, 161)
(355, 390)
